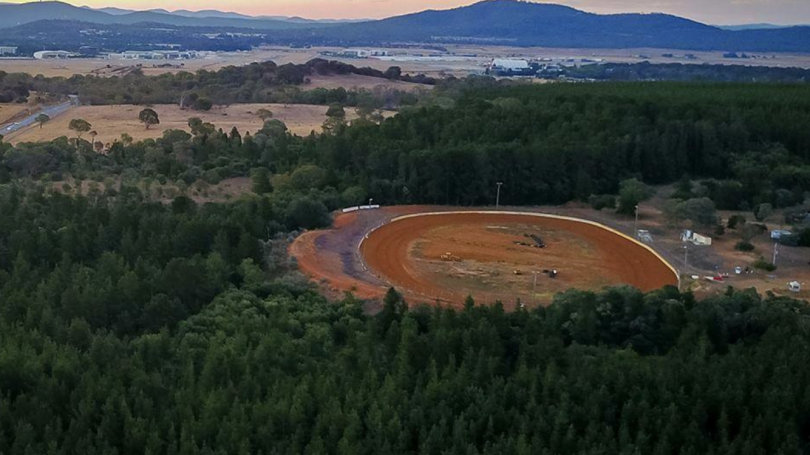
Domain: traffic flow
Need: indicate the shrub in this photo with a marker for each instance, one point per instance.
(603, 201)
(260, 178)
(736, 221)
(631, 193)
(744, 246)
(212, 176)
(804, 238)
(762, 264)
(202, 104)
(763, 211)
(308, 213)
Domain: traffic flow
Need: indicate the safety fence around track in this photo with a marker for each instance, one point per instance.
(360, 207)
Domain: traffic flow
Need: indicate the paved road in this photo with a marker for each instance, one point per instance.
(50, 111)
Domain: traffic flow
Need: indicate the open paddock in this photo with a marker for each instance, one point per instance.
(10, 111)
(110, 122)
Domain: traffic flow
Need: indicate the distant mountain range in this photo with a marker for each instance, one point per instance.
(535, 24)
(12, 15)
(504, 22)
(211, 13)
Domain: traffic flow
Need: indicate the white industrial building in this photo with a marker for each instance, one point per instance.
(8, 50)
(46, 55)
(695, 238)
(363, 53)
(156, 55)
(508, 67)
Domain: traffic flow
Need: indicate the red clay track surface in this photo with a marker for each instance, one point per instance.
(406, 252)
(492, 257)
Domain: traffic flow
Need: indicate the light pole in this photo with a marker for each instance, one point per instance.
(498, 195)
(775, 251)
(635, 225)
(685, 256)
(370, 200)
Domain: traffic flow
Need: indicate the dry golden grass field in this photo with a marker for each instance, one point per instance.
(112, 121)
(9, 111)
(458, 60)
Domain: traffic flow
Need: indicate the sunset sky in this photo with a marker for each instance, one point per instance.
(710, 11)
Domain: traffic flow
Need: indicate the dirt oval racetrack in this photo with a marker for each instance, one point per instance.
(492, 260)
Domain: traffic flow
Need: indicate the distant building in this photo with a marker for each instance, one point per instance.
(362, 53)
(695, 238)
(88, 51)
(549, 70)
(505, 67)
(779, 234)
(8, 50)
(47, 55)
(157, 55)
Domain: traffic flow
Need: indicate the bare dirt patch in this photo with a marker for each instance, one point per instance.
(328, 256)
(112, 121)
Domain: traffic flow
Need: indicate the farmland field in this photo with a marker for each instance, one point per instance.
(9, 111)
(112, 121)
(458, 60)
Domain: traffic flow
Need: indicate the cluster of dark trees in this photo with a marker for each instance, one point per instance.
(746, 145)
(120, 263)
(280, 370)
(131, 326)
(646, 71)
(264, 82)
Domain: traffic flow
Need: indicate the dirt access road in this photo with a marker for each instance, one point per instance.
(30, 120)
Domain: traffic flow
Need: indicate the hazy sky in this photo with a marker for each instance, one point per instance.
(710, 11)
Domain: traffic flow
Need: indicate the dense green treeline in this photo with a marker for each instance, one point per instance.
(617, 372)
(264, 82)
(564, 141)
(118, 262)
(129, 326)
(745, 144)
(646, 71)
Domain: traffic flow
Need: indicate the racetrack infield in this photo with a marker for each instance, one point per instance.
(490, 265)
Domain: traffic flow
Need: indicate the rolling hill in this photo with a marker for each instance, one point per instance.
(504, 22)
(12, 15)
(210, 13)
(534, 24)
